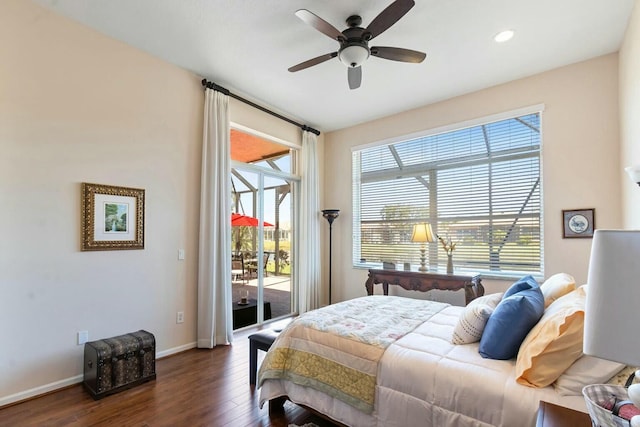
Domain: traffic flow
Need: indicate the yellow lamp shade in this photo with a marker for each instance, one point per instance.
(422, 233)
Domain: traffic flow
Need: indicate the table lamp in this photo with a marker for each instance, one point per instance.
(422, 234)
(612, 312)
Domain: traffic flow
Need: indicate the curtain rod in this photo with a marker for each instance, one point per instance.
(212, 85)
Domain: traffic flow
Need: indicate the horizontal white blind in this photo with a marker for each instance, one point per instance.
(479, 186)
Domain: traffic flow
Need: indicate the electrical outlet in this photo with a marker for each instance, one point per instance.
(180, 317)
(181, 254)
(83, 337)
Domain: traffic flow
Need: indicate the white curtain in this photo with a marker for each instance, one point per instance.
(309, 256)
(214, 272)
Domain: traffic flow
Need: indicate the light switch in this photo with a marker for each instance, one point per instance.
(181, 254)
(83, 337)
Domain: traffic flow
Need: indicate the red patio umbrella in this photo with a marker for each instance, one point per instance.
(238, 220)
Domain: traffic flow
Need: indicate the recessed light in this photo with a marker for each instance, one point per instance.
(504, 36)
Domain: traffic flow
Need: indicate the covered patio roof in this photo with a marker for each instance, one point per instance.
(247, 148)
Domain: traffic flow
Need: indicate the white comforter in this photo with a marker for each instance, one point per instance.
(424, 380)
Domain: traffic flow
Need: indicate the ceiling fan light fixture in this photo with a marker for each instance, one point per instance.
(353, 55)
(353, 42)
(504, 36)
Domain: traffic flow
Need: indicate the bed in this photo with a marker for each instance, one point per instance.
(389, 361)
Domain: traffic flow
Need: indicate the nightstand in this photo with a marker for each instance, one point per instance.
(550, 415)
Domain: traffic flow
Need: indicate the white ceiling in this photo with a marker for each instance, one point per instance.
(247, 46)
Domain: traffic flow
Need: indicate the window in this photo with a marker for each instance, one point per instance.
(478, 185)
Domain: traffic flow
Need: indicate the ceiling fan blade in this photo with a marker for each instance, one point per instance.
(398, 54)
(314, 61)
(354, 75)
(319, 24)
(389, 16)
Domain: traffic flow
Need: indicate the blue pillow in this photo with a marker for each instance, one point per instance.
(510, 323)
(527, 282)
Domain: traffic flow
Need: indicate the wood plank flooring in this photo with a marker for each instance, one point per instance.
(195, 388)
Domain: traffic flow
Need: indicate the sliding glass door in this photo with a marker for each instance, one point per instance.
(262, 239)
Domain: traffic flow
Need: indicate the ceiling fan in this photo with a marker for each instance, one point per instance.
(354, 41)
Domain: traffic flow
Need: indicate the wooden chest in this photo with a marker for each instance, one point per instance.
(117, 363)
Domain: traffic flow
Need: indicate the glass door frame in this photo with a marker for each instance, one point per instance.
(294, 181)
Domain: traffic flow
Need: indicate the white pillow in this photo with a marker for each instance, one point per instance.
(584, 371)
(474, 318)
(492, 300)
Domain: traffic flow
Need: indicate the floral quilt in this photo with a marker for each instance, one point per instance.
(336, 349)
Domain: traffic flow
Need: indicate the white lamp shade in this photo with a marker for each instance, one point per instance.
(354, 55)
(422, 233)
(634, 173)
(612, 312)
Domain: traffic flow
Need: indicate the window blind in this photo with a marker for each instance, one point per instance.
(478, 186)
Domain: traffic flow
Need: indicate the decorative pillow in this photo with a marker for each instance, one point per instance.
(622, 377)
(492, 300)
(474, 318)
(471, 324)
(527, 282)
(510, 323)
(554, 343)
(584, 371)
(556, 286)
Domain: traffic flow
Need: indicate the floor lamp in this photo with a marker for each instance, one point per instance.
(330, 215)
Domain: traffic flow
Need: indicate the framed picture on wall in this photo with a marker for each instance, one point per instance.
(112, 217)
(578, 223)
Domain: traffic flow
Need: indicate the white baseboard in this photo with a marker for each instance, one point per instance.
(46, 388)
(175, 350)
(36, 391)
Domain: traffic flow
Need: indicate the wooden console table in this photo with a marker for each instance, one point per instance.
(423, 282)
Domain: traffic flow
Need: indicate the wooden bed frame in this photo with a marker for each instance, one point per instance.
(276, 406)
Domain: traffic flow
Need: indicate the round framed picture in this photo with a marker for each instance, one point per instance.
(578, 223)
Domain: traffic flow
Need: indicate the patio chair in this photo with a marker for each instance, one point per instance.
(237, 270)
(265, 259)
(252, 266)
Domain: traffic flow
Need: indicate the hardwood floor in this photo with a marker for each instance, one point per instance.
(194, 388)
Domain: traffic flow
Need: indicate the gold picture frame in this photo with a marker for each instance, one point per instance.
(112, 217)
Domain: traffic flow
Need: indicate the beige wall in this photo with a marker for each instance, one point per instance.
(579, 158)
(77, 107)
(248, 116)
(630, 118)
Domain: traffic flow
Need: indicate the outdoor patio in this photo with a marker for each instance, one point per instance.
(277, 291)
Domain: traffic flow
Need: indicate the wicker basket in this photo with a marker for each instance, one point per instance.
(601, 417)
